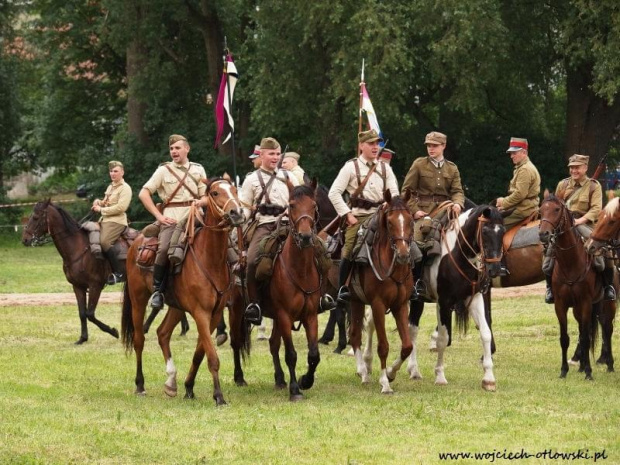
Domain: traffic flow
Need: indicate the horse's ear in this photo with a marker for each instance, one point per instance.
(407, 195)
(314, 184)
(48, 201)
(546, 193)
(387, 195)
(611, 194)
(290, 186)
(226, 177)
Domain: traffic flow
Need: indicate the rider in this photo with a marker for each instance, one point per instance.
(113, 217)
(583, 196)
(290, 162)
(364, 202)
(431, 181)
(265, 196)
(524, 187)
(178, 184)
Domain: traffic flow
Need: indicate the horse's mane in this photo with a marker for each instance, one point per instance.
(612, 207)
(398, 202)
(71, 224)
(302, 191)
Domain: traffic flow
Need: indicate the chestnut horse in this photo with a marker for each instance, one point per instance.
(575, 282)
(385, 284)
(606, 233)
(201, 288)
(471, 251)
(86, 274)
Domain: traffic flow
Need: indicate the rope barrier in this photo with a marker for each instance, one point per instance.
(25, 204)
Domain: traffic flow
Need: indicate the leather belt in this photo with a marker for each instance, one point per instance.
(433, 198)
(187, 203)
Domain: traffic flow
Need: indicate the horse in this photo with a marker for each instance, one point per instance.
(574, 281)
(471, 251)
(385, 284)
(292, 295)
(200, 288)
(86, 274)
(606, 233)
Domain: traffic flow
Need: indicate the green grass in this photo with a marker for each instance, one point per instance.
(66, 404)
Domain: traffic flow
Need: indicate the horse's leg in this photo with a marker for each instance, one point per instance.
(190, 379)
(416, 308)
(93, 298)
(561, 313)
(274, 347)
(164, 333)
(80, 296)
(444, 317)
(584, 310)
(149, 320)
(576, 358)
(342, 329)
(383, 346)
(477, 311)
(290, 354)
(606, 317)
(239, 334)
(314, 358)
(203, 325)
(357, 322)
(137, 315)
(369, 323)
(487, 314)
(406, 347)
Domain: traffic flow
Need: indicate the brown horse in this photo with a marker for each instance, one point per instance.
(385, 284)
(292, 295)
(86, 274)
(575, 282)
(606, 233)
(201, 288)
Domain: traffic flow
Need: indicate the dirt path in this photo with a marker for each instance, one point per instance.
(14, 300)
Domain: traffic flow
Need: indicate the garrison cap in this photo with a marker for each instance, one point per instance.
(368, 136)
(176, 138)
(269, 143)
(114, 163)
(387, 154)
(517, 144)
(435, 138)
(577, 160)
(293, 155)
(255, 153)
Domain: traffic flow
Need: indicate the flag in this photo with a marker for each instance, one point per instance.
(370, 111)
(224, 100)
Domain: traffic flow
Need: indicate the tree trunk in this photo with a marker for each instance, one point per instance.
(590, 121)
(136, 61)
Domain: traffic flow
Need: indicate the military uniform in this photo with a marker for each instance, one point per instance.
(523, 193)
(113, 217)
(165, 184)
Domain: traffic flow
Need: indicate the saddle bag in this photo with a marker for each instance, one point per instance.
(323, 257)
(147, 252)
(268, 248)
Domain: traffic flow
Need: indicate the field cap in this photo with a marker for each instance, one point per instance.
(114, 164)
(517, 144)
(269, 143)
(293, 155)
(255, 153)
(577, 160)
(387, 154)
(368, 136)
(435, 138)
(176, 138)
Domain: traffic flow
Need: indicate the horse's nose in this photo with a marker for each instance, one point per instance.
(494, 269)
(403, 258)
(236, 217)
(306, 240)
(544, 236)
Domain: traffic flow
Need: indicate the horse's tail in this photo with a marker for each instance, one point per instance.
(462, 316)
(594, 317)
(245, 339)
(127, 328)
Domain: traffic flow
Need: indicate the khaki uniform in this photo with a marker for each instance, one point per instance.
(165, 183)
(430, 185)
(298, 172)
(585, 199)
(113, 220)
(523, 193)
(347, 181)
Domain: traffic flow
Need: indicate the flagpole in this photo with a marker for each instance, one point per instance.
(359, 123)
(232, 131)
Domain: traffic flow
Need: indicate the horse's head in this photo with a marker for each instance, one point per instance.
(398, 222)
(303, 213)
(36, 229)
(607, 229)
(489, 237)
(222, 200)
(554, 219)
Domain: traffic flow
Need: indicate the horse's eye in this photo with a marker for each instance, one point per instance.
(215, 194)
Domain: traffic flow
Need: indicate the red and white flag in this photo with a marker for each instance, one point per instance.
(224, 101)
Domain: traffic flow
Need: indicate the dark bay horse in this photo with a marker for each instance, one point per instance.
(291, 295)
(86, 274)
(471, 251)
(575, 282)
(201, 288)
(385, 284)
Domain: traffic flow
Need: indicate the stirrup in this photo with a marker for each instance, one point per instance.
(157, 300)
(327, 303)
(344, 295)
(609, 292)
(549, 299)
(503, 271)
(253, 314)
(115, 278)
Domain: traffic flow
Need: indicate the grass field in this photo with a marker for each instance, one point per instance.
(66, 404)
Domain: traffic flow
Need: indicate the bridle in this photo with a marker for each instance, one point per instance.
(297, 236)
(41, 238)
(558, 229)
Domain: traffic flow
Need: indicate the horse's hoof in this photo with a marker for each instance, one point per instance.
(387, 390)
(562, 375)
(140, 393)
(306, 382)
(365, 379)
(296, 397)
(589, 378)
(170, 392)
(114, 333)
(441, 382)
(610, 369)
(220, 402)
(489, 386)
(189, 395)
(221, 339)
(338, 350)
(80, 341)
(280, 386)
(241, 383)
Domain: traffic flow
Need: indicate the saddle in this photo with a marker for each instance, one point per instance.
(122, 244)
(523, 234)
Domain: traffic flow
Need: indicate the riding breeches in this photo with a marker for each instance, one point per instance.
(165, 234)
(350, 236)
(110, 232)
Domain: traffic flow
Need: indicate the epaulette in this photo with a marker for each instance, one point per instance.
(165, 163)
(594, 181)
(449, 162)
(194, 163)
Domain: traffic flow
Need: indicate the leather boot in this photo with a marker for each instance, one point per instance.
(157, 300)
(328, 334)
(253, 313)
(608, 282)
(420, 286)
(117, 275)
(344, 295)
(549, 299)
